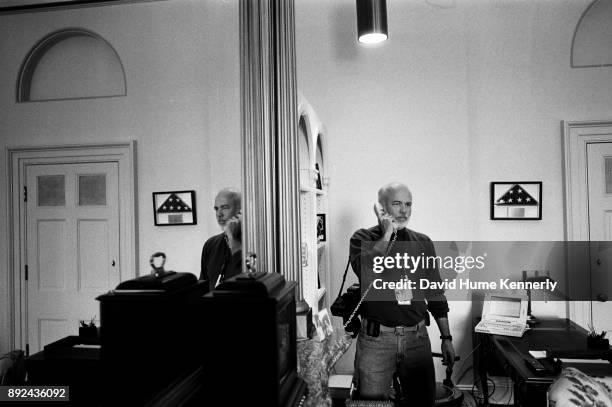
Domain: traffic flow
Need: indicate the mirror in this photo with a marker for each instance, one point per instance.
(173, 76)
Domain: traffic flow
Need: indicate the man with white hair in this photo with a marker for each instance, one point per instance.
(393, 337)
(222, 253)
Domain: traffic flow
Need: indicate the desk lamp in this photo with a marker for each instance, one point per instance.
(531, 320)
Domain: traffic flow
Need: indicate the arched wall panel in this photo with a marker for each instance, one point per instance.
(71, 64)
(591, 45)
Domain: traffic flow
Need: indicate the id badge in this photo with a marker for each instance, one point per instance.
(403, 296)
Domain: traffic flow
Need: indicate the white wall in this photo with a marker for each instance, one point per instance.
(456, 98)
(181, 60)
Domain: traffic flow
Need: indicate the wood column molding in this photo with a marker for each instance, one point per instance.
(270, 182)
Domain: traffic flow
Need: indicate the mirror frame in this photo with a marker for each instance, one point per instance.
(270, 175)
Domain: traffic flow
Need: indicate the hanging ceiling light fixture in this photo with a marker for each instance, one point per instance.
(371, 21)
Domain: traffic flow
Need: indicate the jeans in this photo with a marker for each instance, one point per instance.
(407, 352)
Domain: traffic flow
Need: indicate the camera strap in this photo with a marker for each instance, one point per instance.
(389, 247)
(348, 263)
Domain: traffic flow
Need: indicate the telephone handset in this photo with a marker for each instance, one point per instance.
(404, 295)
(380, 211)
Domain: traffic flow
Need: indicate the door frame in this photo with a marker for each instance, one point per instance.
(18, 158)
(576, 136)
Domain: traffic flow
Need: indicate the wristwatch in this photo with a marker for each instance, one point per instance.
(449, 337)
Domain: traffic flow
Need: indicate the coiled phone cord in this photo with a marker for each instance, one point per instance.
(348, 321)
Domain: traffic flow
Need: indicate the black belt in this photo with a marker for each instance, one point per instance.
(397, 329)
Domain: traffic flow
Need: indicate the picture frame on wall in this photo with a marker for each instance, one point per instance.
(321, 229)
(174, 208)
(322, 324)
(520, 200)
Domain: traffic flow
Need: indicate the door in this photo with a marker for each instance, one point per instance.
(72, 245)
(599, 175)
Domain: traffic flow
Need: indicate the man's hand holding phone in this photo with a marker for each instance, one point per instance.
(385, 220)
(233, 231)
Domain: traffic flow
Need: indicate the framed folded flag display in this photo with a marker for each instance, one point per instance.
(174, 208)
(516, 200)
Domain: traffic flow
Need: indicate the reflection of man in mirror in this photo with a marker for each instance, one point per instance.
(393, 336)
(222, 253)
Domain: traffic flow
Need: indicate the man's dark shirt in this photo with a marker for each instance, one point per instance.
(389, 312)
(217, 259)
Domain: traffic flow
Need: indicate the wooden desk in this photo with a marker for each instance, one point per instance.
(559, 337)
(79, 369)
